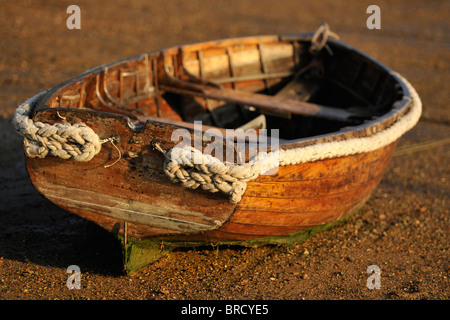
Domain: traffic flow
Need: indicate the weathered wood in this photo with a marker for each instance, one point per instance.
(322, 195)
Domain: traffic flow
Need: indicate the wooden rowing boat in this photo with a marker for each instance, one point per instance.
(97, 145)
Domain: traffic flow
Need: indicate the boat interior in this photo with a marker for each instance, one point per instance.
(267, 82)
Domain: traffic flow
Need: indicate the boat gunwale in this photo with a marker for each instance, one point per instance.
(399, 107)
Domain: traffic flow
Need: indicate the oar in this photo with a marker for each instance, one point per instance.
(265, 102)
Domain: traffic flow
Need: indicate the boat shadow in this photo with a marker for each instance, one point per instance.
(61, 240)
(34, 230)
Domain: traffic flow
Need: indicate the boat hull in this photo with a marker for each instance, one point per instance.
(305, 196)
(279, 209)
(339, 118)
(298, 197)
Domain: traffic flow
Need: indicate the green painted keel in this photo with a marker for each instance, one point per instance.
(141, 253)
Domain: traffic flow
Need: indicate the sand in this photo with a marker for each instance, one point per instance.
(403, 229)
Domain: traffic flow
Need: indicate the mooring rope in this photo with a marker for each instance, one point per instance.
(192, 168)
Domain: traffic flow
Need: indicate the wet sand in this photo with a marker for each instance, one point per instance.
(403, 228)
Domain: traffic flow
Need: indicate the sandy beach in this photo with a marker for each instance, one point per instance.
(403, 228)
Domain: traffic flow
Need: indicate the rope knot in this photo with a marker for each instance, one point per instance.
(63, 140)
(193, 169)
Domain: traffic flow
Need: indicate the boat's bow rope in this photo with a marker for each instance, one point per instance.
(64, 140)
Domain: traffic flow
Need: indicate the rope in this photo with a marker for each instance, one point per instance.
(193, 169)
(63, 140)
(212, 175)
(320, 38)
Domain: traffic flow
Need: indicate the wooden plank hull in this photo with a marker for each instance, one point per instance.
(305, 196)
(131, 187)
(274, 210)
(297, 198)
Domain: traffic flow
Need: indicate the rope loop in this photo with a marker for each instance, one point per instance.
(320, 38)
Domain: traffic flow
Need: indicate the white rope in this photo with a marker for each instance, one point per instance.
(63, 140)
(358, 145)
(193, 169)
(213, 175)
(81, 143)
